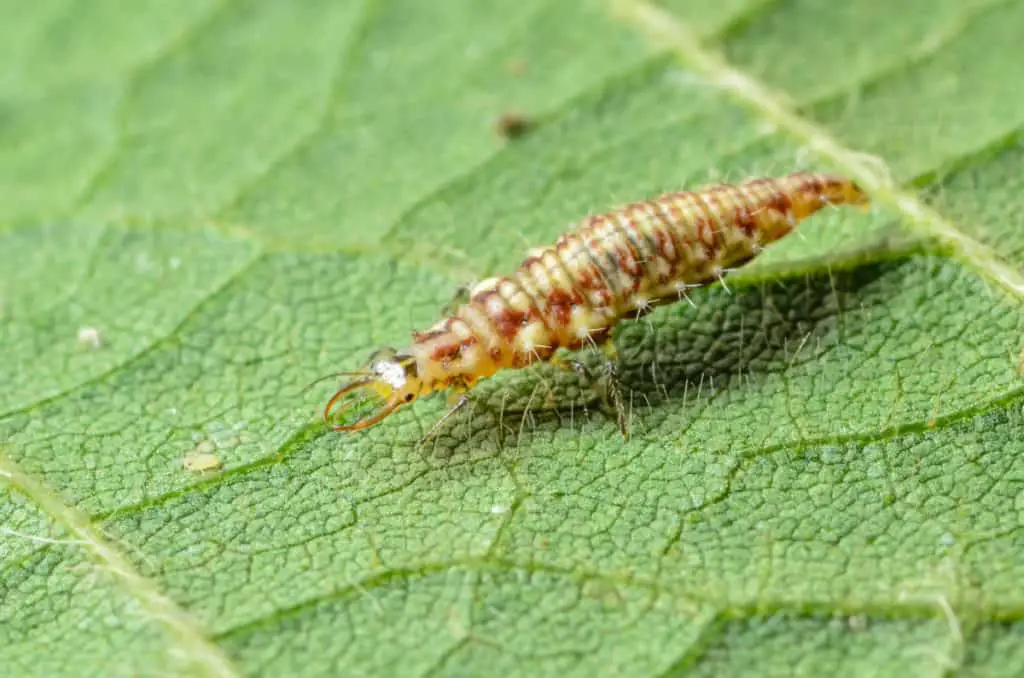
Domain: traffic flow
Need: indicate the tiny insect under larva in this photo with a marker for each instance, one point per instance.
(569, 296)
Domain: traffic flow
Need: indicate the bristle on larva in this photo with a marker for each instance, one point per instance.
(610, 267)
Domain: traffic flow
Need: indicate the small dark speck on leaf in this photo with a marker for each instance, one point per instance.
(514, 125)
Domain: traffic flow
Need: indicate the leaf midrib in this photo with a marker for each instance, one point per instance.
(202, 654)
(871, 172)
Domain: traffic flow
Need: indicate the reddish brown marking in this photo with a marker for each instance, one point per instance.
(717, 208)
(507, 321)
(663, 243)
(529, 262)
(446, 328)
(626, 261)
(781, 203)
(674, 215)
(598, 260)
(449, 352)
(585, 279)
(594, 287)
(678, 241)
(480, 298)
(590, 278)
(816, 184)
(746, 221)
(559, 308)
(533, 311)
(635, 210)
(423, 337)
(706, 235)
(636, 213)
(761, 182)
(446, 353)
(654, 215)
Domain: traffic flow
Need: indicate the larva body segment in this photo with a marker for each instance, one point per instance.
(609, 267)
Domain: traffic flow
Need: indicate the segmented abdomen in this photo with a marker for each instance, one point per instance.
(618, 264)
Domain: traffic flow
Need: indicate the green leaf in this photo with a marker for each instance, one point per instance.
(206, 205)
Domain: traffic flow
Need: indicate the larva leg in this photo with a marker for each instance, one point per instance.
(606, 385)
(458, 398)
(461, 296)
(611, 385)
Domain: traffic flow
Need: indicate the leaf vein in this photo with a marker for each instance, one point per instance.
(143, 352)
(191, 642)
(946, 34)
(106, 166)
(333, 100)
(870, 172)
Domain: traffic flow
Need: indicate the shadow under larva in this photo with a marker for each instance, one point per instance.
(729, 337)
(679, 356)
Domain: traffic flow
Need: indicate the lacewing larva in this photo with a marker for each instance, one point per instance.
(570, 295)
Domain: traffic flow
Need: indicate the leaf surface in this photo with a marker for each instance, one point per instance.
(204, 208)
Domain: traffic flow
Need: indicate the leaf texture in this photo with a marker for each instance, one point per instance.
(205, 205)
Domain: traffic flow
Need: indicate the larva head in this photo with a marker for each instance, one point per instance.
(388, 382)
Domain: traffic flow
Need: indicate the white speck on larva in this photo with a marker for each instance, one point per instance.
(198, 463)
(498, 508)
(90, 336)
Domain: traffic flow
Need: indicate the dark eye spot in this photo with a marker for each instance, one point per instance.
(408, 397)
